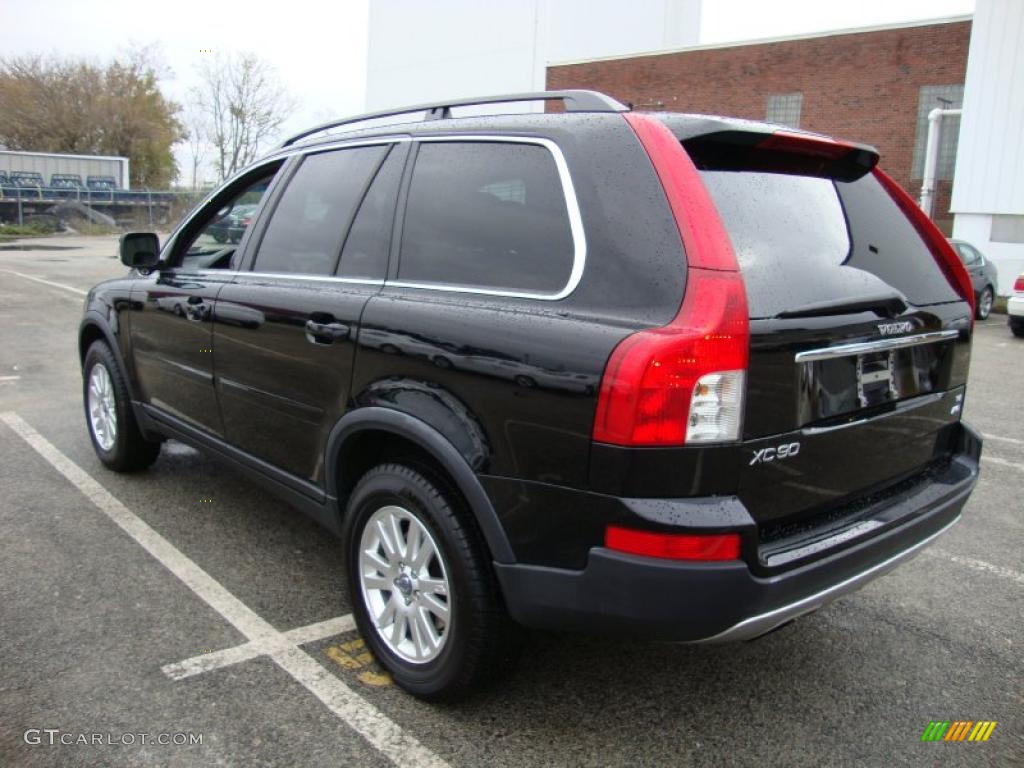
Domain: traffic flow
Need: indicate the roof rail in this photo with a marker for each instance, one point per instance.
(574, 101)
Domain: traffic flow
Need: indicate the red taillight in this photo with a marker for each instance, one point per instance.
(942, 251)
(673, 546)
(652, 376)
(683, 382)
(1018, 285)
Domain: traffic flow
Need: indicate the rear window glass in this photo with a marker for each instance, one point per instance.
(804, 240)
(486, 215)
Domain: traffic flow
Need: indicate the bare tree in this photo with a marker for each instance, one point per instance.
(195, 135)
(242, 104)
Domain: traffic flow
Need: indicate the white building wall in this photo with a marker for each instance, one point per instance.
(48, 164)
(990, 158)
(427, 51)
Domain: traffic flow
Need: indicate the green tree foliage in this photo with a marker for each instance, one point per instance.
(77, 106)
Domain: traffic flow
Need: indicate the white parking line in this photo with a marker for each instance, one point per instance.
(79, 291)
(1001, 439)
(1003, 462)
(978, 565)
(381, 732)
(206, 662)
(5, 379)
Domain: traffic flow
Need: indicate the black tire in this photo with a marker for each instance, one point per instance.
(482, 641)
(130, 451)
(985, 300)
(1017, 326)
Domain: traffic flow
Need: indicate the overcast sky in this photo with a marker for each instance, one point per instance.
(319, 48)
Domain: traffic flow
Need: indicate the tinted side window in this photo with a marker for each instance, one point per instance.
(487, 215)
(309, 223)
(366, 248)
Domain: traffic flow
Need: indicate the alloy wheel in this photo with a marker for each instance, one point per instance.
(102, 407)
(405, 584)
(985, 304)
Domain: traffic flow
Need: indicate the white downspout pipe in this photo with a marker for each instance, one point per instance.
(931, 156)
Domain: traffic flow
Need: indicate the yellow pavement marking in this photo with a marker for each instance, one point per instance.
(354, 656)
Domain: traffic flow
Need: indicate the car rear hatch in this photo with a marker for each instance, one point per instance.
(859, 341)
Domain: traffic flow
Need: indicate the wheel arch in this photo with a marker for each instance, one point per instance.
(94, 327)
(378, 421)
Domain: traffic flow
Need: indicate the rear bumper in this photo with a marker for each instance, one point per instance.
(1015, 306)
(716, 602)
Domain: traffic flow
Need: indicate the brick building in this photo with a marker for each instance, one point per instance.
(874, 85)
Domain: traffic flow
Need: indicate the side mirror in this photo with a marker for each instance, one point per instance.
(140, 250)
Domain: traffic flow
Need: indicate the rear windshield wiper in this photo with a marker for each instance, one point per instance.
(884, 306)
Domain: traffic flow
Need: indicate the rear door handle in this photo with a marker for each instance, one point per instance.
(325, 332)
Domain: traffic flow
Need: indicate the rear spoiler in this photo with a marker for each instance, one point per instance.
(804, 154)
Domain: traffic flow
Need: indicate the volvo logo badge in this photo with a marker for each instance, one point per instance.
(891, 329)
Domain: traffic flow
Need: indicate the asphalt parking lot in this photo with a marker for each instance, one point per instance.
(184, 602)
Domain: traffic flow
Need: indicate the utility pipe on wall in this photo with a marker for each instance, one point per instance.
(931, 155)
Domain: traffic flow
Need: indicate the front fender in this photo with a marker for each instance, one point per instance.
(97, 326)
(455, 462)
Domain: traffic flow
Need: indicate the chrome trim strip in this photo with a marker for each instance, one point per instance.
(369, 142)
(274, 158)
(317, 278)
(568, 190)
(881, 345)
(758, 625)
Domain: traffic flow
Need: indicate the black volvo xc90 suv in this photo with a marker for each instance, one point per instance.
(678, 376)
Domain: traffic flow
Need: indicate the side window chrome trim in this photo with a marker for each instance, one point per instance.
(568, 190)
(571, 205)
(279, 157)
(300, 276)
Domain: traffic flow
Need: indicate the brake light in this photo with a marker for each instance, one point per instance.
(807, 144)
(942, 251)
(1018, 284)
(673, 546)
(684, 382)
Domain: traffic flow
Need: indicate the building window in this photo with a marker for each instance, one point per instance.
(944, 97)
(784, 108)
(1007, 229)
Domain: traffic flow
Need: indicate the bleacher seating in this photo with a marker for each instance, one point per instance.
(66, 186)
(29, 183)
(101, 182)
(104, 190)
(66, 181)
